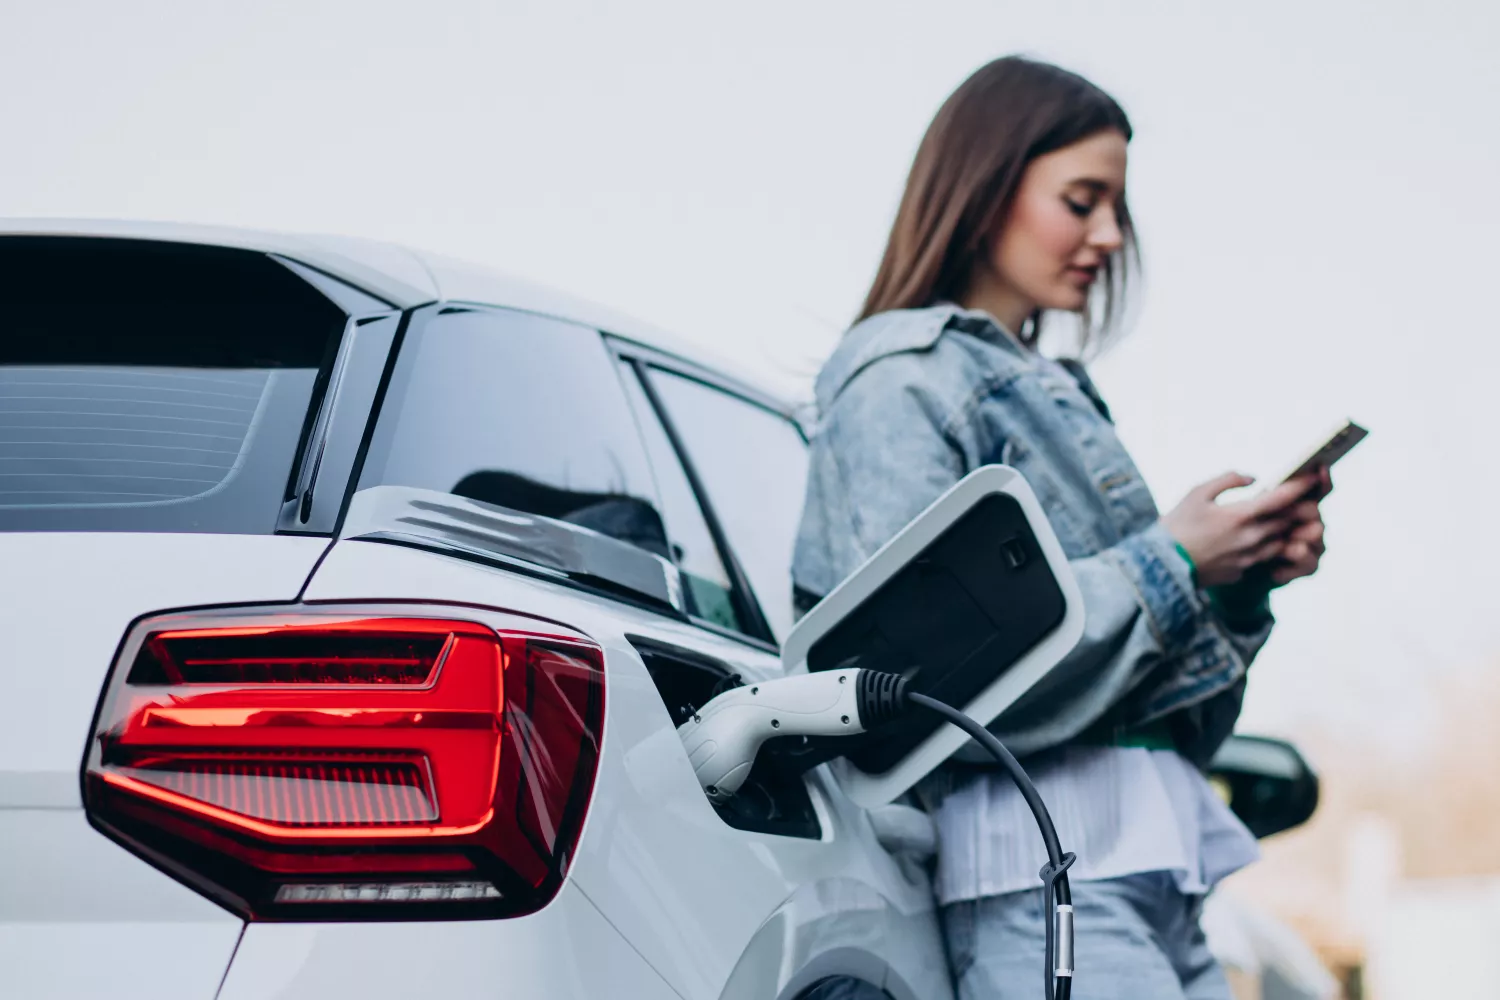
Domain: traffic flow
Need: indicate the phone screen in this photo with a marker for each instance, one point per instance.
(1335, 448)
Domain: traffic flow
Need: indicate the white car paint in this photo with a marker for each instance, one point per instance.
(68, 601)
(79, 915)
(566, 950)
(688, 891)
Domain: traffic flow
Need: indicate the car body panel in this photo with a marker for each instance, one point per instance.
(69, 599)
(687, 890)
(566, 951)
(80, 916)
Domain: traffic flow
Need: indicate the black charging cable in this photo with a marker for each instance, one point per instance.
(883, 697)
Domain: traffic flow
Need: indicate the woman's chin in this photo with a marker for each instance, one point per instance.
(1067, 300)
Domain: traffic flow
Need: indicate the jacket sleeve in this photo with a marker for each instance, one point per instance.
(1142, 617)
(1142, 613)
(1206, 724)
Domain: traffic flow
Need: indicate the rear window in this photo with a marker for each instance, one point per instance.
(153, 386)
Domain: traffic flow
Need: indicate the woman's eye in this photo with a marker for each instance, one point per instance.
(1079, 209)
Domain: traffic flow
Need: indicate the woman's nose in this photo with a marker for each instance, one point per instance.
(1105, 235)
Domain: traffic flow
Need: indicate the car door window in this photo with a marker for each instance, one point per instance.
(706, 585)
(752, 463)
(521, 411)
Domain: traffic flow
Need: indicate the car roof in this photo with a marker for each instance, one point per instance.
(403, 276)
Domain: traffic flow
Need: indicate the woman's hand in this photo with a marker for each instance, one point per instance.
(1224, 540)
(1304, 546)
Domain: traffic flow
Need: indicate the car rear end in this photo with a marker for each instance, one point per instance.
(152, 399)
(185, 748)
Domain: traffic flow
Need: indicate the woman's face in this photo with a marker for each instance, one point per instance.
(1063, 225)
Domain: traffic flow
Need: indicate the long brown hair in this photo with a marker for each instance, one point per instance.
(965, 176)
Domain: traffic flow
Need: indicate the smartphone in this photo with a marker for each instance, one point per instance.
(1336, 447)
(1338, 444)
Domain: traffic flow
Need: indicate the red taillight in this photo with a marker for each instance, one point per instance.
(314, 766)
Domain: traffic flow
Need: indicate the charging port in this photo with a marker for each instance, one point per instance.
(1014, 550)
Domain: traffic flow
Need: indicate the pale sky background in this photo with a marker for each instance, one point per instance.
(1314, 184)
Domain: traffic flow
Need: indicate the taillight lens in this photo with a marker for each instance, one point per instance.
(312, 766)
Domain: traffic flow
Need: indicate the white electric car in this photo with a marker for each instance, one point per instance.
(350, 600)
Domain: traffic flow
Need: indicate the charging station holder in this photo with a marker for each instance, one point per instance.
(973, 602)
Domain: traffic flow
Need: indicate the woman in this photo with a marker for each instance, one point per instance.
(1016, 206)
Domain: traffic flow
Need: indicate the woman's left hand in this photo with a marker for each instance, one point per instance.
(1304, 542)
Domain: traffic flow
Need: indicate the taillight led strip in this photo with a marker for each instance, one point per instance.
(307, 764)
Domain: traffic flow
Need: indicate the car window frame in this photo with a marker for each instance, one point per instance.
(754, 400)
(329, 460)
(638, 358)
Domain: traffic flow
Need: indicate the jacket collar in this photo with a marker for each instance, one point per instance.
(901, 330)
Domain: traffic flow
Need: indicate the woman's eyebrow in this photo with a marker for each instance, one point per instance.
(1093, 184)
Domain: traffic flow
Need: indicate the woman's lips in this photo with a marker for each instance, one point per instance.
(1083, 275)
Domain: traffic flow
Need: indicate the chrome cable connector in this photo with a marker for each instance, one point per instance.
(1064, 940)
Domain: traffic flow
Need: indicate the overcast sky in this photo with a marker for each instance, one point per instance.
(1314, 184)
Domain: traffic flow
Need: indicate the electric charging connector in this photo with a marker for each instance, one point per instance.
(723, 738)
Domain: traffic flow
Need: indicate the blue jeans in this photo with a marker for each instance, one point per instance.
(1137, 938)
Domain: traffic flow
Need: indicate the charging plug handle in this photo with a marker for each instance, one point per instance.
(882, 697)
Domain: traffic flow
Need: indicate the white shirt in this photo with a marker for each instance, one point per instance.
(1122, 810)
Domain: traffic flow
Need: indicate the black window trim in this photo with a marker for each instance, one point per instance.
(336, 414)
(297, 501)
(746, 605)
(341, 422)
(631, 351)
(376, 403)
(639, 358)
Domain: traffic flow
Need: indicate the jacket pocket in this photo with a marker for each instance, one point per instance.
(1130, 502)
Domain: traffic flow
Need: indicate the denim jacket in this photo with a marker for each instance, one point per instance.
(911, 401)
